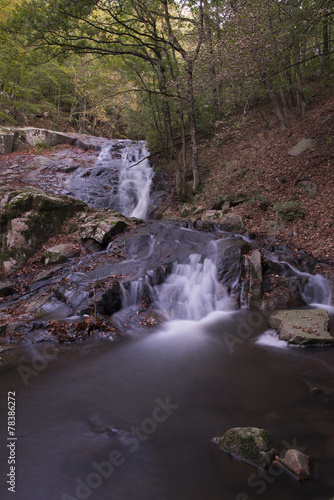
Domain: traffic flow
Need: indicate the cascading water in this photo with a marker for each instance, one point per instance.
(134, 184)
(316, 288)
(120, 179)
(192, 290)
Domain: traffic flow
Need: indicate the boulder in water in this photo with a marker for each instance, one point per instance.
(302, 327)
(297, 463)
(248, 443)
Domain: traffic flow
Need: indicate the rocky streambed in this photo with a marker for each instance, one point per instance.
(72, 269)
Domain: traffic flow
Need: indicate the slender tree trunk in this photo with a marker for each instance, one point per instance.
(192, 123)
(275, 99)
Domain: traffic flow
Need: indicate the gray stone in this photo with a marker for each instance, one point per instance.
(60, 253)
(6, 142)
(302, 327)
(29, 218)
(213, 215)
(302, 146)
(248, 443)
(233, 222)
(225, 207)
(101, 226)
(298, 463)
(199, 210)
(309, 187)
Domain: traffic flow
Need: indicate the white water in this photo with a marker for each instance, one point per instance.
(316, 290)
(192, 291)
(135, 179)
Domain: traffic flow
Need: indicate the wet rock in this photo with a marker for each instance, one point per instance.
(248, 443)
(230, 265)
(302, 327)
(298, 463)
(281, 292)
(251, 294)
(48, 307)
(100, 227)
(110, 301)
(60, 253)
(7, 287)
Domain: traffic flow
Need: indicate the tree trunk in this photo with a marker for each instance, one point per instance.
(192, 123)
(278, 106)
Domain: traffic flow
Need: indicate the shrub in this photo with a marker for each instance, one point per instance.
(290, 211)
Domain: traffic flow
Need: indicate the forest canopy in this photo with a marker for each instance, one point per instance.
(159, 69)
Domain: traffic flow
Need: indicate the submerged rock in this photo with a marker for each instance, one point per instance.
(302, 327)
(298, 463)
(248, 443)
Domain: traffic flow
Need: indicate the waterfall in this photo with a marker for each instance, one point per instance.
(120, 179)
(134, 183)
(316, 288)
(192, 290)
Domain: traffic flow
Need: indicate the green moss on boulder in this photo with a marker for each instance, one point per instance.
(248, 443)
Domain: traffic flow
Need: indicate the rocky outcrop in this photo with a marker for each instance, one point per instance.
(230, 265)
(96, 230)
(14, 138)
(302, 327)
(29, 217)
(248, 443)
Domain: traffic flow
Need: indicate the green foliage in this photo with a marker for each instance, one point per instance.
(290, 211)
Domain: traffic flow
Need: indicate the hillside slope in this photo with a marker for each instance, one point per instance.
(255, 160)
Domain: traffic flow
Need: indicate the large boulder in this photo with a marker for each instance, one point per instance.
(248, 443)
(59, 254)
(302, 327)
(29, 217)
(96, 230)
(230, 265)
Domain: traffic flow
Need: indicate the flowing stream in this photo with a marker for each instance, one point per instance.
(134, 420)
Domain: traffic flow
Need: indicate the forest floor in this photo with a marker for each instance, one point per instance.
(254, 159)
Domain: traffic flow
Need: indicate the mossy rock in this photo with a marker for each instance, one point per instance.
(248, 443)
